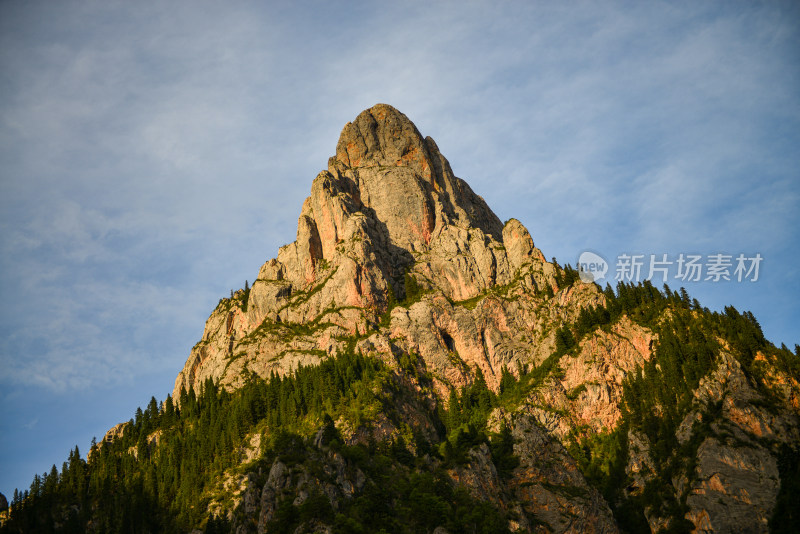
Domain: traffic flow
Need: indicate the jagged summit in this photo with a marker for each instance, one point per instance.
(384, 164)
(385, 138)
(399, 188)
(387, 212)
(382, 135)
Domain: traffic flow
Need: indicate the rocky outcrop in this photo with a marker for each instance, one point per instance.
(387, 210)
(733, 480)
(547, 486)
(735, 488)
(736, 480)
(112, 434)
(588, 393)
(338, 481)
(394, 256)
(546, 491)
(320, 473)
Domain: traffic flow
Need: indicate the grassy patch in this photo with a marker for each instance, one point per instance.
(575, 393)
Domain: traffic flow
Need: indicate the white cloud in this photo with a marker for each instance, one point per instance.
(154, 155)
(157, 157)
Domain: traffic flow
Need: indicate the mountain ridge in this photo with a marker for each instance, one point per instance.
(410, 362)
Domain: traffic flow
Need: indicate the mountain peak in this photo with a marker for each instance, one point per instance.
(405, 179)
(406, 339)
(382, 135)
(387, 218)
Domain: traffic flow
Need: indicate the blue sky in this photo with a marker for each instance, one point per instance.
(155, 154)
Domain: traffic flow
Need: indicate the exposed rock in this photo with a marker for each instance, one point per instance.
(337, 481)
(387, 205)
(395, 255)
(251, 450)
(735, 489)
(640, 466)
(735, 480)
(113, 433)
(151, 441)
(242, 490)
(480, 477)
(590, 388)
(745, 407)
(551, 488)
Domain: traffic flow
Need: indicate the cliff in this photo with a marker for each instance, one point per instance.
(395, 255)
(412, 363)
(387, 217)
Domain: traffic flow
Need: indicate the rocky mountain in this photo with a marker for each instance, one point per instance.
(410, 363)
(387, 211)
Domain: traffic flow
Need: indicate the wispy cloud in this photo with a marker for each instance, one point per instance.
(30, 424)
(154, 160)
(155, 154)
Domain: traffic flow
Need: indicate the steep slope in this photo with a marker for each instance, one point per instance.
(411, 363)
(395, 255)
(388, 215)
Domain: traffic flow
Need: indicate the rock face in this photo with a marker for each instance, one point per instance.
(736, 481)
(338, 482)
(387, 210)
(394, 255)
(547, 485)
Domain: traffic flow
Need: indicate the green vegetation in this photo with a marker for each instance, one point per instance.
(657, 397)
(165, 470)
(287, 330)
(576, 392)
(160, 475)
(786, 516)
(470, 303)
(302, 296)
(238, 298)
(413, 290)
(505, 292)
(413, 294)
(565, 276)
(467, 412)
(397, 497)
(135, 486)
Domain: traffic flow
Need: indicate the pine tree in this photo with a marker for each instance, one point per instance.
(564, 340)
(507, 380)
(152, 414)
(685, 297)
(453, 411)
(169, 411)
(502, 447)
(138, 420)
